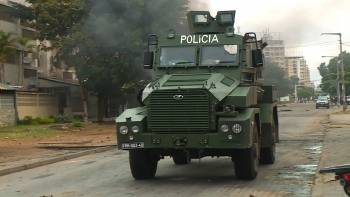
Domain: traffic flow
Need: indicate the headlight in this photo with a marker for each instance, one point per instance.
(123, 130)
(135, 129)
(224, 128)
(236, 128)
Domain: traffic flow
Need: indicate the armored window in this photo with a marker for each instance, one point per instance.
(177, 55)
(218, 54)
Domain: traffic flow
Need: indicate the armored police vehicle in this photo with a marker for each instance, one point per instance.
(208, 100)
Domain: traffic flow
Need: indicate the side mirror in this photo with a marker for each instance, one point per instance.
(257, 58)
(148, 59)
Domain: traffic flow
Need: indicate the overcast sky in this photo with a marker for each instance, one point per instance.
(300, 23)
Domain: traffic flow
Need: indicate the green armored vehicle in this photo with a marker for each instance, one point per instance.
(207, 100)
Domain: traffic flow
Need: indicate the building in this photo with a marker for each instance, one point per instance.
(274, 51)
(296, 66)
(41, 72)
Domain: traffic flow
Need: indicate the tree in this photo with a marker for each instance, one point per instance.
(103, 40)
(275, 75)
(329, 74)
(305, 92)
(7, 48)
(25, 47)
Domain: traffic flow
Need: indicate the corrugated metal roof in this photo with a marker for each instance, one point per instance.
(6, 87)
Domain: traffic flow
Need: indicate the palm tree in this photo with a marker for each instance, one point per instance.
(7, 49)
(25, 47)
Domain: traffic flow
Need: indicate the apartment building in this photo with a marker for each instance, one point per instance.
(296, 66)
(275, 49)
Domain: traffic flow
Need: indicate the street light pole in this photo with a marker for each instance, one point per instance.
(342, 68)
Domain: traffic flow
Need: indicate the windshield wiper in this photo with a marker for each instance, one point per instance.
(227, 61)
(219, 63)
(177, 63)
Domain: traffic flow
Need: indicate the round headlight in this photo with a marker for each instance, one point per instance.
(123, 130)
(135, 129)
(131, 137)
(236, 128)
(224, 128)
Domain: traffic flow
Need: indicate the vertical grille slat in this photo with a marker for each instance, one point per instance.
(189, 114)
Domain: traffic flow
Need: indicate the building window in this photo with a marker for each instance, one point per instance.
(4, 16)
(67, 75)
(29, 73)
(28, 33)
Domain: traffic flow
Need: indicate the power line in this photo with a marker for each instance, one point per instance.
(313, 44)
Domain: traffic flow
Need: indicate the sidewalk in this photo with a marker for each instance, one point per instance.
(336, 151)
(67, 153)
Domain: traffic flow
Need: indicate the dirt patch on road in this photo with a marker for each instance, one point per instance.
(27, 148)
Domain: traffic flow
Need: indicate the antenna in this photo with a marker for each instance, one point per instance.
(40, 70)
(27, 60)
(33, 81)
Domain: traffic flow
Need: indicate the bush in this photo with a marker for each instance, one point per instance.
(78, 117)
(27, 120)
(63, 118)
(77, 123)
(47, 121)
(36, 121)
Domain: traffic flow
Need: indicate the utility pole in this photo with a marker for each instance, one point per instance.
(342, 68)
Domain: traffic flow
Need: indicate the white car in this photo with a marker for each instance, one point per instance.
(322, 101)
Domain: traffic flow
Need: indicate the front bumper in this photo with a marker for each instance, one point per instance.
(322, 104)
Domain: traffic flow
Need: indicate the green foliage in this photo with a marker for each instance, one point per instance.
(78, 117)
(47, 121)
(329, 74)
(305, 92)
(7, 46)
(29, 120)
(103, 40)
(63, 118)
(275, 75)
(77, 123)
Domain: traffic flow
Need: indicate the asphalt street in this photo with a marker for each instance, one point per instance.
(302, 129)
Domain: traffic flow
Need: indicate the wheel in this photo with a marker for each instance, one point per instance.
(246, 165)
(181, 159)
(347, 189)
(267, 154)
(142, 164)
(316, 107)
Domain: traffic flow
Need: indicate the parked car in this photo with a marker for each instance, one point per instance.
(322, 101)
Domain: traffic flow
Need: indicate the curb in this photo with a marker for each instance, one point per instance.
(54, 160)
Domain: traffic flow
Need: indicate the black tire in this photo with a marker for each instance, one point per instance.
(246, 165)
(181, 159)
(346, 188)
(142, 164)
(268, 154)
(316, 107)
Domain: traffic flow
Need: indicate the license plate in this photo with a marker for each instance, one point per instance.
(132, 145)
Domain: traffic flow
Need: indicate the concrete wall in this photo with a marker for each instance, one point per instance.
(36, 104)
(7, 117)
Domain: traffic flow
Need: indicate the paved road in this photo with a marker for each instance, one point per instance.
(107, 174)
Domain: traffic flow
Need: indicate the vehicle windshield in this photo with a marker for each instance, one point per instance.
(323, 98)
(176, 55)
(216, 54)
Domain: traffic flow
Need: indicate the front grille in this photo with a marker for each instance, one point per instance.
(189, 114)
